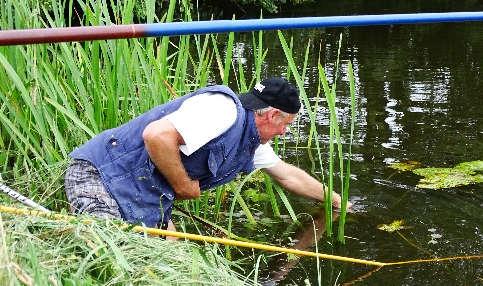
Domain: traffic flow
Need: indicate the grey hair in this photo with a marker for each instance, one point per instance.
(264, 110)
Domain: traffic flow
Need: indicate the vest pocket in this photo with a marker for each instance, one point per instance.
(153, 193)
(148, 178)
(114, 147)
(215, 159)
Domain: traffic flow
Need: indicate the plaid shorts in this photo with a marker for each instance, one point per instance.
(86, 192)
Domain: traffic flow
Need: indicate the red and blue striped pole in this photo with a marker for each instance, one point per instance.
(87, 33)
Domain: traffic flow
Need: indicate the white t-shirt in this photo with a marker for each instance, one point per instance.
(206, 116)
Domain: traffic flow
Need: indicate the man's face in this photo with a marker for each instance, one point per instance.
(272, 123)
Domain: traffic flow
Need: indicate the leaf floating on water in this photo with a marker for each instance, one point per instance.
(428, 172)
(443, 181)
(394, 226)
(475, 166)
(405, 166)
(461, 175)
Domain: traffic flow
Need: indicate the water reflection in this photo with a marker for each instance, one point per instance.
(419, 99)
(419, 92)
(238, 53)
(305, 240)
(392, 119)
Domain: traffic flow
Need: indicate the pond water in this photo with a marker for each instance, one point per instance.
(419, 92)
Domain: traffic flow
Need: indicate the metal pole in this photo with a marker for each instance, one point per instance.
(51, 35)
(24, 200)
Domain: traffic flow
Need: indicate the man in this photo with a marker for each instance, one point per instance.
(176, 150)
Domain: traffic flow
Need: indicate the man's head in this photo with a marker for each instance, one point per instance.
(275, 103)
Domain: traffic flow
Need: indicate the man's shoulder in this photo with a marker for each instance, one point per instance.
(215, 100)
(216, 89)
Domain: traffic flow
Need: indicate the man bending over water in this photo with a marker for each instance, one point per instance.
(176, 150)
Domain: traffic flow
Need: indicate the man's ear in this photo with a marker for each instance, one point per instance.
(275, 114)
(266, 116)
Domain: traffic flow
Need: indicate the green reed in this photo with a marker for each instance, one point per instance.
(56, 97)
(334, 132)
(306, 103)
(335, 137)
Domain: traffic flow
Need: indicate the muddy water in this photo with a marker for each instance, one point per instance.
(420, 98)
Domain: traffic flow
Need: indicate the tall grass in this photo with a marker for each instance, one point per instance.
(55, 97)
(37, 251)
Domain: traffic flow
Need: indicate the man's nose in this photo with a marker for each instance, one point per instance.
(284, 130)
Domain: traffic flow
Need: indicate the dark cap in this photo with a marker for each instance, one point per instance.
(276, 92)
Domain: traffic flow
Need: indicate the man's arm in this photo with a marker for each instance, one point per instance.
(162, 142)
(299, 182)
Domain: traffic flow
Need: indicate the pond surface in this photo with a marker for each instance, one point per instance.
(420, 98)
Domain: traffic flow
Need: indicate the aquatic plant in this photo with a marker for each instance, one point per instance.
(405, 166)
(334, 132)
(393, 226)
(463, 174)
(72, 91)
(55, 97)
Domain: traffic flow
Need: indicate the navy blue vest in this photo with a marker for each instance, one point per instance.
(135, 183)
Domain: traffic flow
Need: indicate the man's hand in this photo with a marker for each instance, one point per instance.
(189, 190)
(337, 201)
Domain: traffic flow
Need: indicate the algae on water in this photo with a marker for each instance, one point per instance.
(473, 166)
(393, 226)
(405, 166)
(463, 174)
